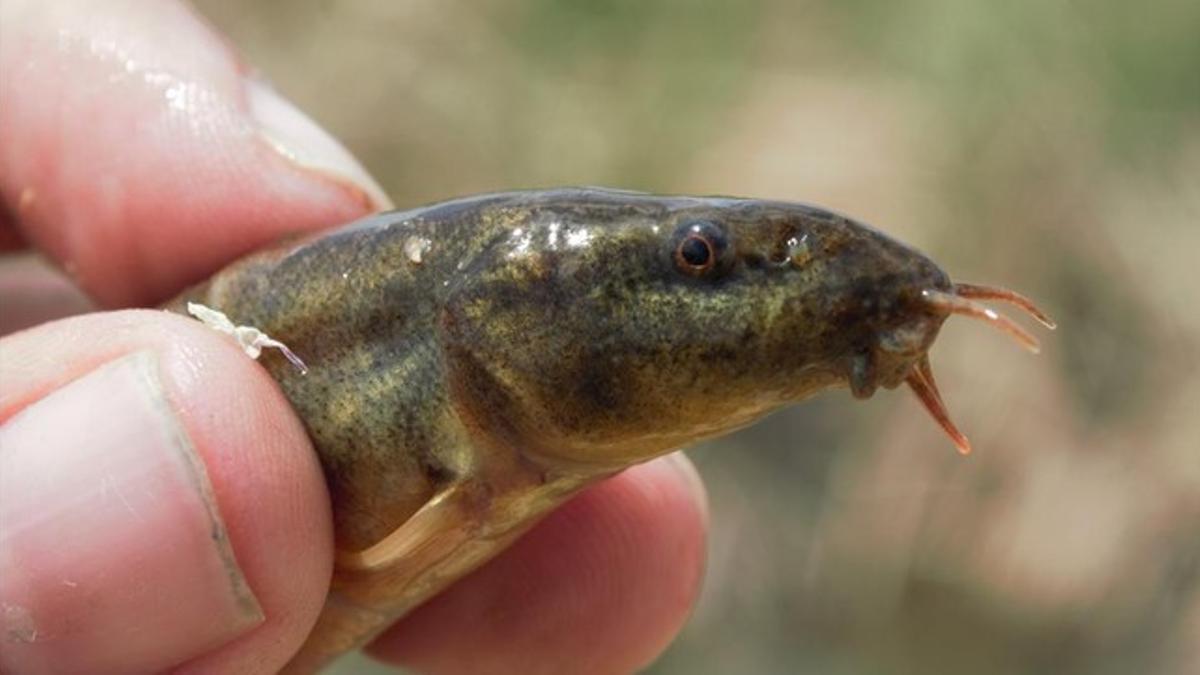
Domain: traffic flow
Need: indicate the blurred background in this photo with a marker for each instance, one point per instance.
(1046, 145)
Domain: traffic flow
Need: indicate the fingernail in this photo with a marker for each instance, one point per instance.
(113, 556)
(297, 137)
(695, 484)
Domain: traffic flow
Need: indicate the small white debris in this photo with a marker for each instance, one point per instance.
(27, 199)
(251, 339)
(798, 251)
(415, 248)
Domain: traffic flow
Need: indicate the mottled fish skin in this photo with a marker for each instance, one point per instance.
(558, 334)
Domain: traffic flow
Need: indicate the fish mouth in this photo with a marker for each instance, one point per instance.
(963, 299)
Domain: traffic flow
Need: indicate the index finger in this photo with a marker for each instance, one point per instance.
(139, 152)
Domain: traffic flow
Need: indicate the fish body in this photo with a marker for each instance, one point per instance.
(471, 364)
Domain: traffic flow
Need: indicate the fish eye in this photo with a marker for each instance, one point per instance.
(698, 247)
(695, 251)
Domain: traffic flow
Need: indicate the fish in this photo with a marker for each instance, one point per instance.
(463, 368)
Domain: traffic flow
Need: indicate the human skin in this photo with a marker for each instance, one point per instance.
(150, 432)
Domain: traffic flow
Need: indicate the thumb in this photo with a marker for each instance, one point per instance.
(139, 152)
(160, 504)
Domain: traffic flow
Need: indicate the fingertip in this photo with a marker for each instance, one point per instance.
(603, 584)
(256, 472)
(176, 164)
(271, 492)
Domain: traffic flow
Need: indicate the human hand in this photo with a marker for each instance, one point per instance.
(160, 504)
